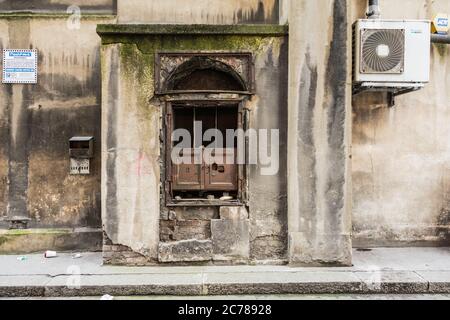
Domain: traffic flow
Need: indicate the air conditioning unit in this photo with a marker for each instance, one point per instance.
(391, 55)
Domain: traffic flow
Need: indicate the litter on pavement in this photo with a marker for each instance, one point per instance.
(50, 254)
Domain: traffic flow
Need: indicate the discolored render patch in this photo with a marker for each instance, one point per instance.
(55, 197)
(336, 105)
(64, 103)
(110, 92)
(319, 146)
(39, 240)
(3, 185)
(268, 195)
(442, 50)
(4, 151)
(18, 97)
(305, 139)
(267, 12)
(3, 189)
(92, 6)
(130, 143)
(401, 177)
(199, 11)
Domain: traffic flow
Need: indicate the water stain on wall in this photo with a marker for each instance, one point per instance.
(199, 11)
(38, 121)
(97, 6)
(400, 153)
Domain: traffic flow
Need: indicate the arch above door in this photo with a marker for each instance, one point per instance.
(204, 72)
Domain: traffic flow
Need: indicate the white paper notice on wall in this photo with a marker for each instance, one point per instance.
(19, 66)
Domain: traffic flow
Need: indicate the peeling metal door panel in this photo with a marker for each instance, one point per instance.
(222, 174)
(188, 176)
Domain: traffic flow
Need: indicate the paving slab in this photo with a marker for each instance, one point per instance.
(283, 282)
(126, 284)
(404, 282)
(23, 286)
(379, 271)
(438, 281)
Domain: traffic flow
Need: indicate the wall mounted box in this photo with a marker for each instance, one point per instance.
(392, 55)
(81, 147)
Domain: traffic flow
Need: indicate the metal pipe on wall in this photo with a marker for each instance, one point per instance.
(440, 38)
(374, 11)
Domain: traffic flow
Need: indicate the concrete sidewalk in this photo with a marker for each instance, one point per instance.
(380, 271)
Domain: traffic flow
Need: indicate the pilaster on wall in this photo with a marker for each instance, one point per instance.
(130, 153)
(319, 142)
(284, 6)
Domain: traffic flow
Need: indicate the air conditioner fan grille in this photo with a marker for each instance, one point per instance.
(383, 51)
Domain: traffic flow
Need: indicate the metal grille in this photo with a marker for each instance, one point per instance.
(383, 51)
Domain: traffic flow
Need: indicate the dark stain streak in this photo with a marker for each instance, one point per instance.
(111, 143)
(283, 121)
(442, 231)
(258, 16)
(307, 94)
(54, 6)
(5, 146)
(308, 88)
(94, 83)
(18, 139)
(18, 156)
(336, 106)
(270, 203)
(64, 86)
(369, 110)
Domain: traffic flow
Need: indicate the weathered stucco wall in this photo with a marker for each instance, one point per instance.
(36, 122)
(268, 194)
(401, 172)
(86, 6)
(132, 119)
(130, 149)
(198, 11)
(319, 190)
(401, 155)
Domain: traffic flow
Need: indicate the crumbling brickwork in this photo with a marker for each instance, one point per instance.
(205, 234)
(188, 223)
(116, 254)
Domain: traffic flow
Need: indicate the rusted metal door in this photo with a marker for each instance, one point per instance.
(188, 176)
(210, 175)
